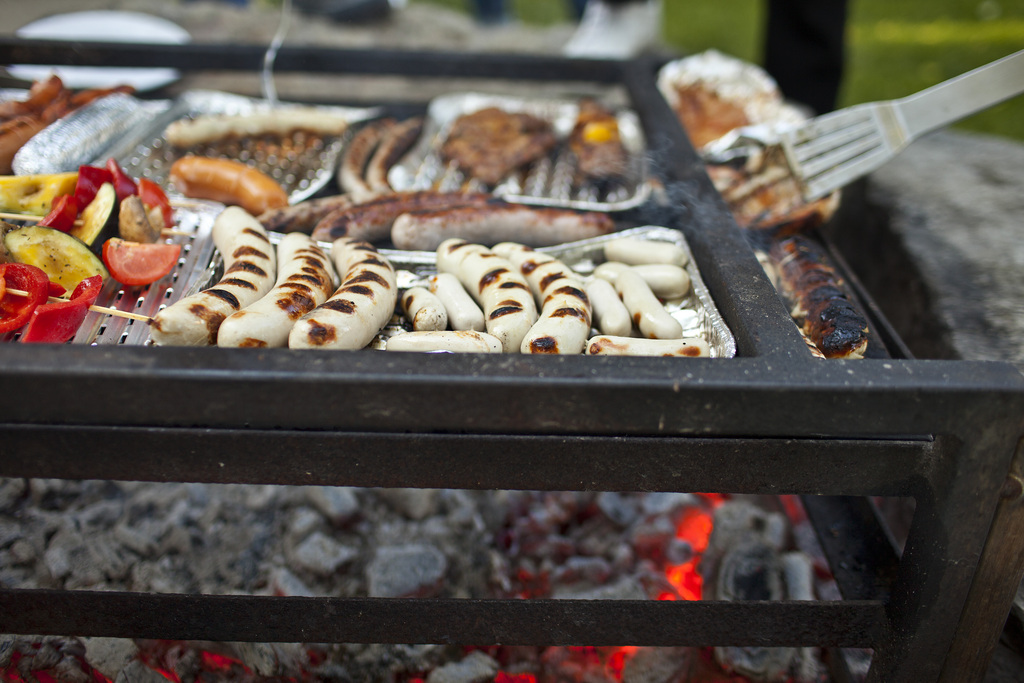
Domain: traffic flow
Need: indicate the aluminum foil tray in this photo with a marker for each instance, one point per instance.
(131, 130)
(303, 163)
(696, 312)
(548, 182)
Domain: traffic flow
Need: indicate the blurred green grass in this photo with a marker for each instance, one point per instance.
(893, 48)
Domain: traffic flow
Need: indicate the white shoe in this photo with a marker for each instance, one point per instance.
(609, 31)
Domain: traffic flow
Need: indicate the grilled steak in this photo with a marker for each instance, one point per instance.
(491, 143)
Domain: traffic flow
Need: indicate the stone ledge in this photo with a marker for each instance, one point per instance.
(937, 236)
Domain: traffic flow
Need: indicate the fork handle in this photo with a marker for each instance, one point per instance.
(959, 97)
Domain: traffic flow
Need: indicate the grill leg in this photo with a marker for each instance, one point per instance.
(1000, 571)
(940, 561)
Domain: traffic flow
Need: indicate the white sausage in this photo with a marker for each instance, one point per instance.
(462, 341)
(606, 345)
(463, 313)
(361, 307)
(249, 271)
(610, 314)
(504, 295)
(424, 310)
(666, 281)
(281, 121)
(305, 279)
(647, 312)
(634, 252)
(564, 321)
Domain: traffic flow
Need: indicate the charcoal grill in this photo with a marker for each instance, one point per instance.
(773, 420)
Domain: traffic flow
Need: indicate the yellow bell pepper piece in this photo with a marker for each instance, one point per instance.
(34, 194)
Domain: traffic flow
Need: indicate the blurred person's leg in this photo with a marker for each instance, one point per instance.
(490, 11)
(616, 29)
(804, 50)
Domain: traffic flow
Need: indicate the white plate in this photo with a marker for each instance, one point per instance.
(103, 26)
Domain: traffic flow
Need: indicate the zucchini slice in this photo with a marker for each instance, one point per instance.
(99, 218)
(65, 258)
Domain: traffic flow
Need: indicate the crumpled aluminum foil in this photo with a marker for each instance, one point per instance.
(84, 134)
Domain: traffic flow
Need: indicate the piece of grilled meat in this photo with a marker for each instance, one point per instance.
(491, 143)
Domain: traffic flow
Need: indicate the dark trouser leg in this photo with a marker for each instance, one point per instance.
(804, 47)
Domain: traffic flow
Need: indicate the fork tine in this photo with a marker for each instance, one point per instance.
(842, 155)
(815, 147)
(822, 184)
(832, 122)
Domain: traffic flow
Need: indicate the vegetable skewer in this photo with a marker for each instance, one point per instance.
(95, 309)
(166, 232)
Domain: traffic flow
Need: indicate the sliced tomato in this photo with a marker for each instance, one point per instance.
(135, 263)
(152, 195)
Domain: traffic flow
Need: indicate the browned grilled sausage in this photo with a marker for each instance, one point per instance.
(303, 216)
(820, 302)
(564, 321)
(497, 221)
(354, 314)
(371, 221)
(249, 271)
(305, 279)
(357, 155)
(503, 293)
(395, 142)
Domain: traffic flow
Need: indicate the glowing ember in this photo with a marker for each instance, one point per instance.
(694, 527)
(169, 675)
(217, 662)
(503, 677)
(617, 660)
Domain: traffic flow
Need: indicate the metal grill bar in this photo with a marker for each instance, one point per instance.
(461, 461)
(468, 622)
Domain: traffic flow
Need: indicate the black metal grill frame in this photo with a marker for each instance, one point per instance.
(773, 420)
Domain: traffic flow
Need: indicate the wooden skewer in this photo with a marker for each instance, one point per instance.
(95, 309)
(166, 232)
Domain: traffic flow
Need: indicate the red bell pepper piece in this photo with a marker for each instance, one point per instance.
(152, 195)
(16, 309)
(62, 214)
(90, 178)
(56, 289)
(123, 183)
(57, 323)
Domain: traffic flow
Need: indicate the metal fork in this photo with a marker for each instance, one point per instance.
(835, 149)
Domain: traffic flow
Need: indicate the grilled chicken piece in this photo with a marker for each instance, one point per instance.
(491, 143)
(597, 143)
(706, 115)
